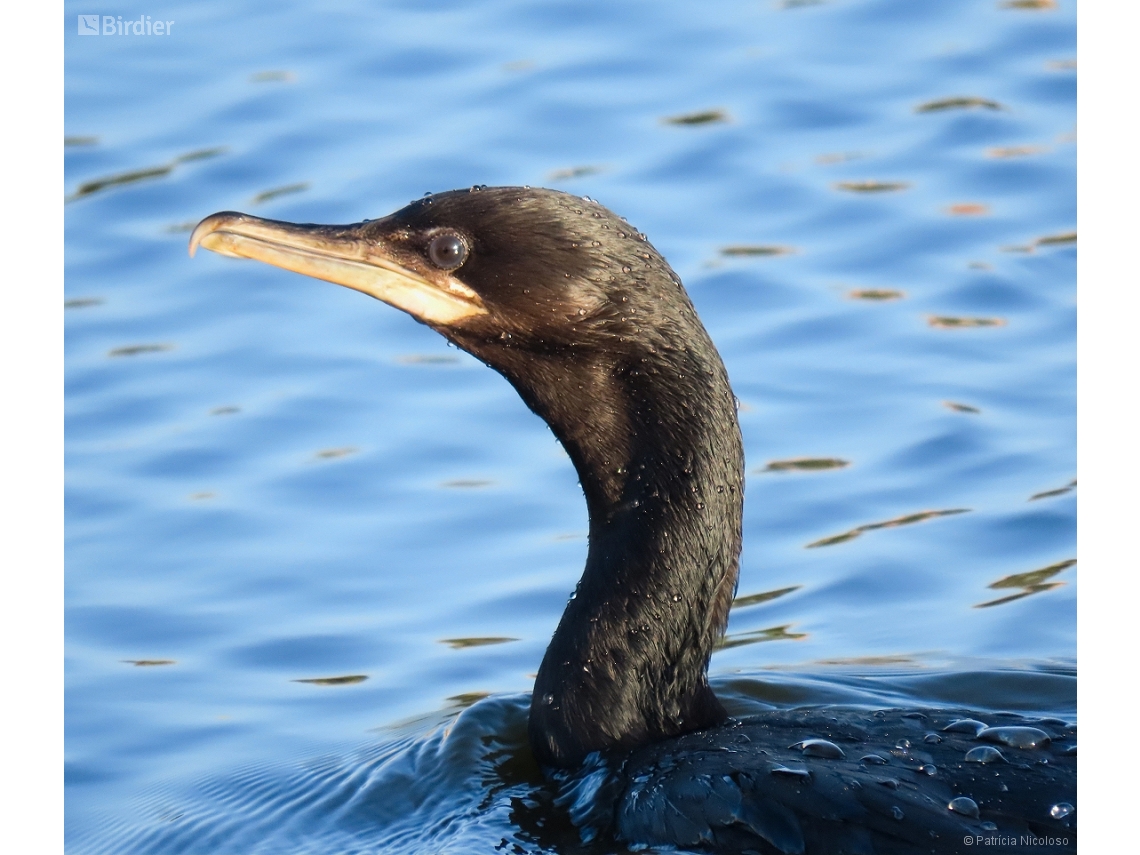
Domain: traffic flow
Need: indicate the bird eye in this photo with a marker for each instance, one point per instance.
(447, 251)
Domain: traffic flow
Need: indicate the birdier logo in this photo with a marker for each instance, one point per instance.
(114, 25)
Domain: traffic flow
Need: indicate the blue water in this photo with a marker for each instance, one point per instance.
(270, 479)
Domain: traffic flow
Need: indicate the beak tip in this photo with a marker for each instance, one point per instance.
(211, 224)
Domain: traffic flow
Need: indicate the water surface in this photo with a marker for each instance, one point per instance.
(314, 554)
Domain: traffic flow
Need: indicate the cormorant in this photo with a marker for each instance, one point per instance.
(578, 311)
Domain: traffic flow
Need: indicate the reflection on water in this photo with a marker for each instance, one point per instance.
(463, 643)
(756, 636)
(876, 294)
(957, 104)
(1015, 151)
(333, 453)
(94, 186)
(960, 408)
(1030, 5)
(702, 117)
(83, 302)
(134, 175)
(755, 599)
(573, 172)
(346, 680)
(968, 209)
(288, 189)
(963, 323)
(871, 186)
(1032, 582)
(907, 519)
(805, 464)
(1060, 491)
(136, 349)
(745, 250)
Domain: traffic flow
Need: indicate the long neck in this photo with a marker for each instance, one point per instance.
(658, 452)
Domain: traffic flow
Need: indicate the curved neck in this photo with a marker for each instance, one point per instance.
(657, 447)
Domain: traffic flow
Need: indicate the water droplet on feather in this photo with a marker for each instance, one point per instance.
(1061, 810)
(965, 806)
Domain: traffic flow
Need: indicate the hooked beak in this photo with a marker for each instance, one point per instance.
(338, 254)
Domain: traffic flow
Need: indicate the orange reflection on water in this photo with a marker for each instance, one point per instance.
(1032, 582)
(908, 519)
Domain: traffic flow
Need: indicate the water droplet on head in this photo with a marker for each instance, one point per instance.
(903, 744)
(897, 812)
(548, 699)
(989, 826)
(625, 269)
(1061, 810)
(873, 760)
(965, 806)
(928, 769)
(932, 739)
